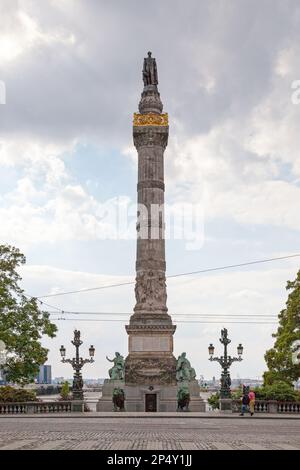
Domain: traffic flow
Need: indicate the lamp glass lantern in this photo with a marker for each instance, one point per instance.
(240, 349)
(62, 351)
(211, 350)
(92, 351)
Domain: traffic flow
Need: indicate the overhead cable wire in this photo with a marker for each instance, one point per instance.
(201, 271)
(178, 321)
(226, 315)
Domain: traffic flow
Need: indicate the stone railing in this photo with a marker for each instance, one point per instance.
(270, 406)
(36, 407)
(288, 407)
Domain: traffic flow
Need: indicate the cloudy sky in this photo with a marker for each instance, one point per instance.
(72, 72)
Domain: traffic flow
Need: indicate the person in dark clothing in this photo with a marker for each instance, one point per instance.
(245, 404)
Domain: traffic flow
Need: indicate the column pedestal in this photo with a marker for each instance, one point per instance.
(225, 405)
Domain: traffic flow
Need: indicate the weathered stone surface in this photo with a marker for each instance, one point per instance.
(165, 397)
(150, 343)
(226, 405)
(147, 137)
(150, 291)
(150, 360)
(155, 369)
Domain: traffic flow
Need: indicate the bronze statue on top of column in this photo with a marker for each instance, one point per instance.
(150, 71)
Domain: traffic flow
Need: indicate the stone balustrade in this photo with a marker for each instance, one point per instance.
(288, 407)
(270, 406)
(36, 407)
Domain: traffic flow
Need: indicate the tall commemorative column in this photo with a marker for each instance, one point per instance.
(150, 360)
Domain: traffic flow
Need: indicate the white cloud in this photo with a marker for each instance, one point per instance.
(39, 159)
(21, 32)
(217, 171)
(275, 120)
(46, 205)
(25, 191)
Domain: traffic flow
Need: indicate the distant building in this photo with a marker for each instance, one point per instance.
(58, 380)
(44, 376)
(252, 383)
(93, 382)
(2, 378)
(214, 384)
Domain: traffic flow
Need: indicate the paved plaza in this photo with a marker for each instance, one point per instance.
(154, 433)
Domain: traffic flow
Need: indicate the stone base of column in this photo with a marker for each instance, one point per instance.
(225, 405)
(77, 406)
(146, 397)
(150, 360)
(160, 398)
(152, 398)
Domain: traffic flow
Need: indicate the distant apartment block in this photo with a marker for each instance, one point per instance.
(44, 376)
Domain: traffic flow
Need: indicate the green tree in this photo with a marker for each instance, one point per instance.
(11, 394)
(279, 390)
(65, 391)
(279, 358)
(22, 323)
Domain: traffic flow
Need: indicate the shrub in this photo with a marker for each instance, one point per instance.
(213, 400)
(65, 391)
(280, 391)
(13, 395)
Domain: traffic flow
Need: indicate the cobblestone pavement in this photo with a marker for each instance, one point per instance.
(151, 433)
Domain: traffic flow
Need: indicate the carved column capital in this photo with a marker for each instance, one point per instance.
(148, 136)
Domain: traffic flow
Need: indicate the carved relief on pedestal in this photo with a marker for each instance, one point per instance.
(151, 371)
(150, 290)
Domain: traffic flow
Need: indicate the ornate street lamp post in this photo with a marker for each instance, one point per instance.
(77, 363)
(225, 362)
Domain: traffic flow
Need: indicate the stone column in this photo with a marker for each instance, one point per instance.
(150, 359)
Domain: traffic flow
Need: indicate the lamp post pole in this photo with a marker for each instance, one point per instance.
(77, 363)
(225, 362)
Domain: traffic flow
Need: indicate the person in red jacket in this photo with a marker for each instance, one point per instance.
(251, 402)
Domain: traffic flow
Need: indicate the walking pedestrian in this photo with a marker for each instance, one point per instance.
(245, 404)
(251, 402)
